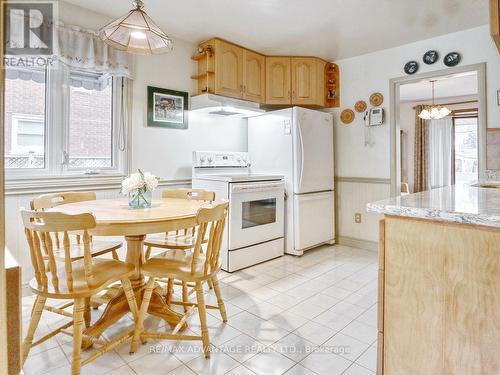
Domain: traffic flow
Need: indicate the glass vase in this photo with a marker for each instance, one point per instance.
(141, 199)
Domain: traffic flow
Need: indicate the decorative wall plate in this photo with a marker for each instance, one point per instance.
(430, 57)
(411, 67)
(376, 99)
(360, 106)
(452, 59)
(347, 116)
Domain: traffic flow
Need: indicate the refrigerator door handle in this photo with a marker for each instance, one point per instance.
(299, 133)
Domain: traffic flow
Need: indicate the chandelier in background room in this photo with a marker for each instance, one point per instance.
(434, 112)
(136, 33)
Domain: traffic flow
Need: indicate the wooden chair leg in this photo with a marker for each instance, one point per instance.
(115, 255)
(220, 301)
(169, 290)
(129, 293)
(203, 319)
(210, 284)
(86, 314)
(78, 312)
(36, 313)
(185, 294)
(139, 327)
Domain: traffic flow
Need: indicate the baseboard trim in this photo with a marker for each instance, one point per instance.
(357, 242)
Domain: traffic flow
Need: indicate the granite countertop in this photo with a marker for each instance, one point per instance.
(458, 203)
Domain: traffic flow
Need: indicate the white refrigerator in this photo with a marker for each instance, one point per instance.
(298, 143)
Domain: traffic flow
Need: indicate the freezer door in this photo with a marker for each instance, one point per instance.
(313, 219)
(313, 151)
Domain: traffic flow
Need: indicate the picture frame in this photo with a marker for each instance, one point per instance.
(498, 98)
(167, 108)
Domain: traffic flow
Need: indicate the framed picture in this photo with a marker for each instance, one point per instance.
(498, 98)
(167, 108)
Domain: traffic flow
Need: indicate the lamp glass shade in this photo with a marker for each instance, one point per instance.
(136, 33)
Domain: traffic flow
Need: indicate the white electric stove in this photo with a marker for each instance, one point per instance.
(255, 226)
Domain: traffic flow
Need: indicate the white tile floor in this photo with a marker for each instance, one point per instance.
(296, 316)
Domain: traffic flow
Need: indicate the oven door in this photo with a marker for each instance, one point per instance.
(256, 213)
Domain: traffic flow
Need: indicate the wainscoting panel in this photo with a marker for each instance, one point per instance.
(352, 195)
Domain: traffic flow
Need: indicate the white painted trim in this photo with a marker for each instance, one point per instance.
(394, 85)
(52, 185)
(358, 243)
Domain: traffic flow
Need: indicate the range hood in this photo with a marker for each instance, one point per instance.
(224, 106)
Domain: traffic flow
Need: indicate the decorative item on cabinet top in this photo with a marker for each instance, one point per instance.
(411, 67)
(230, 70)
(452, 59)
(347, 116)
(430, 57)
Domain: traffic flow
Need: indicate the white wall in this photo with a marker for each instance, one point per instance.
(363, 75)
(167, 152)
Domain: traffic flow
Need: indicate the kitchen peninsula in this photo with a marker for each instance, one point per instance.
(439, 276)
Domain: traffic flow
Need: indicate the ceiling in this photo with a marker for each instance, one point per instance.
(331, 29)
(463, 84)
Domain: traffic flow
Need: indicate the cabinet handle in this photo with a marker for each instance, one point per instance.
(289, 95)
(244, 88)
(293, 94)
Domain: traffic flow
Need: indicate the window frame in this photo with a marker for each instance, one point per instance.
(57, 127)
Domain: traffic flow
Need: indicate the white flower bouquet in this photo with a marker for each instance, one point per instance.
(139, 187)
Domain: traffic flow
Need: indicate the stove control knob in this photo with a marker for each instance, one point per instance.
(210, 159)
(202, 159)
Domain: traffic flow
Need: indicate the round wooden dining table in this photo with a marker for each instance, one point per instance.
(115, 218)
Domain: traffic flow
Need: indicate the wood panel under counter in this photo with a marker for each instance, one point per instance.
(439, 276)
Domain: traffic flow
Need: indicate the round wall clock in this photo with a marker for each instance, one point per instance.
(411, 67)
(360, 106)
(347, 116)
(452, 59)
(376, 99)
(430, 57)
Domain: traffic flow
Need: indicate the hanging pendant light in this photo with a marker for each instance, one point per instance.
(434, 112)
(136, 33)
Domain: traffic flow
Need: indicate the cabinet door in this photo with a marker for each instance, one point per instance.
(228, 69)
(304, 81)
(278, 88)
(254, 76)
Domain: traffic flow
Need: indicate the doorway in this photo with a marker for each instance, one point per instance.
(443, 149)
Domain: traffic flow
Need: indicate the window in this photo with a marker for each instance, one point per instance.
(90, 121)
(61, 122)
(466, 148)
(25, 103)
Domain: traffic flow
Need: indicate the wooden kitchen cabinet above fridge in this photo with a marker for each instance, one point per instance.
(227, 69)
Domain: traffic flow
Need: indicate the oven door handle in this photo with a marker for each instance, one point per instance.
(247, 188)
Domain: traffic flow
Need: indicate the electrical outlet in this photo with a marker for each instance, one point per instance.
(357, 218)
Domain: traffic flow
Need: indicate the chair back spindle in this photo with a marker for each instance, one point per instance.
(212, 220)
(39, 228)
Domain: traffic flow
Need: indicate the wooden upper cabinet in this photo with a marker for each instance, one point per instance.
(495, 21)
(254, 76)
(228, 69)
(307, 81)
(303, 80)
(278, 85)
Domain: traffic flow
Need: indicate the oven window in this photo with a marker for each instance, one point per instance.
(259, 212)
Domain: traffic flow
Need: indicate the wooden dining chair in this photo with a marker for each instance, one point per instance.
(198, 267)
(99, 247)
(178, 242)
(76, 280)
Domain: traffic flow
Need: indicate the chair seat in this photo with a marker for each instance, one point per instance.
(171, 241)
(105, 271)
(175, 266)
(97, 248)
